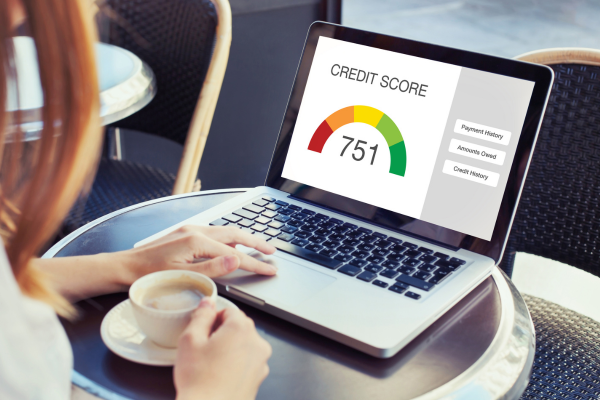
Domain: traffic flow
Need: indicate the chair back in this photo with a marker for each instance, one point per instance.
(558, 216)
(175, 38)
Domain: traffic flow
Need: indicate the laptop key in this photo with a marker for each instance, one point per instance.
(384, 244)
(412, 253)
(343, 257)
(280, 218)
(398, 248)
(219, 222)
(370, 239)
(289, 229)
(314, 247)
(412, 281)
(359, 263)
(272, 232)
(354, 235)
(411, 262)
(285, 211)
(262, 220)
(300, 242)
(360, 254)
(365, 230)
(440, 263)
(412, 295)
(389, 273)
(269, 199)
(273, 207)
(336, 221)
(350, 226)
(245, 213)
(406, 270)
(427, 267)
(246, 223)
(350, 270)
(398, 289)
(259, 227)
(295, 223)
(322, 217)
(441, 255)
(395, 257)
(422, 275)
(316, 239)
(269, 214)
(394, 240)
(305, 254)
(410, 245)
(232, 218)
(457, 261)
(366, 247)
(336, 238)
(390, 264)
(443, 272)
(328, 253)
(427, 258)
(260, 203)
(425, 250)
(345, 249)
(299, 216)
(379, 235)
(282, 203)
(351, 242)
(253, 208)
(379, 283)
(276, 224)
(303, 235)
(376, 259)
(294, 207)
(375, 268)
(308, 228)
(366, 276)
(331, 245)
(308, 212)
(380, 252)
(438, 278)
(286, 237)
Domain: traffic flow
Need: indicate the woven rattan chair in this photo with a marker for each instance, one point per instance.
(559, 218)
(186, 44)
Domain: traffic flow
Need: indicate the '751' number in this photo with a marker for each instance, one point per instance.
(357, 148)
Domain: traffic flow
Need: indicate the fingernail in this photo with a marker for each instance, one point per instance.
(273, 248)
(274, 268)
(206, 302)
(231, 263)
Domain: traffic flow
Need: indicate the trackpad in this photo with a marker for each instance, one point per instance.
(292, 285)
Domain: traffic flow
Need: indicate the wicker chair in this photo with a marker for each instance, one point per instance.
(559, 218)
(186, 43)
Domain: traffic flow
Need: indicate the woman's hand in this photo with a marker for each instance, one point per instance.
(183, 248)
(80, 277)
(220, 356)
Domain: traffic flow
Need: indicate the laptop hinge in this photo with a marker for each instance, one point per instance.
(399, 231)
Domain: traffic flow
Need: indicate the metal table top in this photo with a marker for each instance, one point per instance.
(480, 349)
(127, 84)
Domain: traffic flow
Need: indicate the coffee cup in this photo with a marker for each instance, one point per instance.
(163, 302)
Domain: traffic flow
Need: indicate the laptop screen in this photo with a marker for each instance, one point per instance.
(431, 141)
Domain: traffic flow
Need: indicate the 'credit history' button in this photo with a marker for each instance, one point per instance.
(482, 132)
(471, 173)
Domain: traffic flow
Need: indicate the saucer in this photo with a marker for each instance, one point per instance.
(122, 335)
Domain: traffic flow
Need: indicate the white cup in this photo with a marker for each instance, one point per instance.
(164, 327)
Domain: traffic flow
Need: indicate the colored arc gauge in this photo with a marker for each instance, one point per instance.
(370, 116)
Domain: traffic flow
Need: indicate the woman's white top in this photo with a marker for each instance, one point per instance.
(35, 355)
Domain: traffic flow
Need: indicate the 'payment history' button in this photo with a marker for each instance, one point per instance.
(482, 132)
(477, 152)
(469, 173)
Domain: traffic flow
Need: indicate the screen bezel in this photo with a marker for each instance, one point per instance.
(541, 75)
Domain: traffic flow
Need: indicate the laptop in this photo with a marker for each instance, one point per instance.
(392, 187)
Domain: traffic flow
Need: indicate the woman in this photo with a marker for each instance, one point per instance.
(220, 355)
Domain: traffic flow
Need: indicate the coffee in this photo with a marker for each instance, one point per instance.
(175, 294)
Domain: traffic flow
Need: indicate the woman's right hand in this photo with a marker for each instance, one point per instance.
(220, 356)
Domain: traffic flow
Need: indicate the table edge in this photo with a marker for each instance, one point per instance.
(52, 251)
(496, 374)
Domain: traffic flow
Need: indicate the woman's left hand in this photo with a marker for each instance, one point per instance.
(183, 248)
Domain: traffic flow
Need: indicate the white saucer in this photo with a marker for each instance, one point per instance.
(122, 335)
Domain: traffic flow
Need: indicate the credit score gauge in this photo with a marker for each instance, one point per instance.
(370, 116)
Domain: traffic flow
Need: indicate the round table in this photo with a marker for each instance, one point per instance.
(127, 84)
(481, 349)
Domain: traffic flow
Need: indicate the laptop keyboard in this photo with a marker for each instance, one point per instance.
(372, 257)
